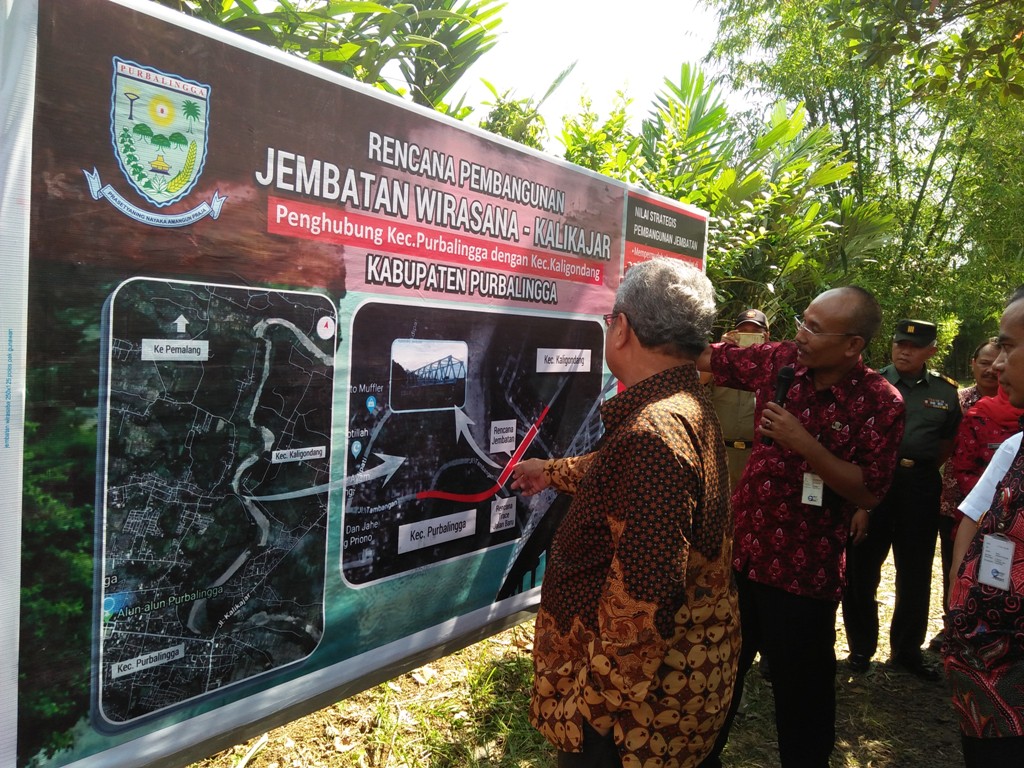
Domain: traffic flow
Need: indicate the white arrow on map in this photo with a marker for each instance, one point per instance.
(388, 466)
(462, 425)
(180, 323)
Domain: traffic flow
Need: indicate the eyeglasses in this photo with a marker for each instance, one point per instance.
(610, 318)
(801, 326)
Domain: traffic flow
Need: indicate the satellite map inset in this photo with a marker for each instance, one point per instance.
(216, 453)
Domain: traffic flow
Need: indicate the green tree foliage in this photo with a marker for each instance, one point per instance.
(56, 593)
(780, 227)
(430, 42)
(515, 119)
(520, 119)
(603, 146)
(58, 512)
(975, 46)
(983, 227)
(454, 36)
(919, 161)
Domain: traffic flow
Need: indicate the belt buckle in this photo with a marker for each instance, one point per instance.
(740, 444)
(908, 463)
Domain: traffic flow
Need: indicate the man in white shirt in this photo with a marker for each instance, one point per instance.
(984, 648)
(979, 499)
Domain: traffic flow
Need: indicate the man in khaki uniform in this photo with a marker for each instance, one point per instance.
(735, 407)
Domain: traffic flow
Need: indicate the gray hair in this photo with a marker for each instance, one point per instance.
(670, 305)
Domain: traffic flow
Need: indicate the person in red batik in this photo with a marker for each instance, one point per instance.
(832, 450)
(985, 385)
(984, 428)
(984, 648)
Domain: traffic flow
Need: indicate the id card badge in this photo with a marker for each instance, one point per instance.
(814, 490)
(996, 559)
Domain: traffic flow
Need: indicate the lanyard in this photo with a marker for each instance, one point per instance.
(1000, 510)
(1004, 518)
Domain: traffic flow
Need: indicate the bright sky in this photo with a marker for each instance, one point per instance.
(620, 46)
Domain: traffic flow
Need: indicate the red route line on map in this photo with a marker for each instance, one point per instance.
(474, 497)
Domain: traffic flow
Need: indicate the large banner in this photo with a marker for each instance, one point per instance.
(272, 343)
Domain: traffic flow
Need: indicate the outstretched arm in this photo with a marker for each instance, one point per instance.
(564, 475)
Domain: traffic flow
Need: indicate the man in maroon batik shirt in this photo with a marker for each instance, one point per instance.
(827, 451)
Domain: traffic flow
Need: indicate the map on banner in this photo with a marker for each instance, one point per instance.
(217, 443)
(442, 404)
(275, 341)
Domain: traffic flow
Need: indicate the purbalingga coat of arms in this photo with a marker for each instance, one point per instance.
(158, 125)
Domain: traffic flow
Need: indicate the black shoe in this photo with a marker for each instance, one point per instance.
(935, 644)
(916, 667)
(858, 662)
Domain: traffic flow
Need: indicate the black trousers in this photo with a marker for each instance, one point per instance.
(907, 521)
(993, 753)
(598, 751)
(946, 549)
(797, 636)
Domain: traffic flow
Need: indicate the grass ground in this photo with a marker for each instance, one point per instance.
(469, 710)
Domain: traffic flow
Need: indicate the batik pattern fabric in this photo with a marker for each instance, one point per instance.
(564, 474)
(638, 626)
(968, 397)
(779, 540)
(984, 648)
(985, 426)
(951, 496)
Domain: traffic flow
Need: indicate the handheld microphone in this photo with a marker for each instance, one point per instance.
(782, 385)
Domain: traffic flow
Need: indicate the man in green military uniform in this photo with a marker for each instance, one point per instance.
(735, 407)
(907, 519)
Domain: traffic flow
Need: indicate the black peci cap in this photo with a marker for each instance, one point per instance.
(920, 333)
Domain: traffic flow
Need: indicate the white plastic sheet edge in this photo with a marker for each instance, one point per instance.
(17, 97)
